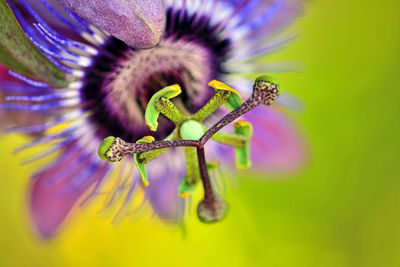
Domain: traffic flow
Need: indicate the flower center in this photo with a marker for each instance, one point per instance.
(123, 79)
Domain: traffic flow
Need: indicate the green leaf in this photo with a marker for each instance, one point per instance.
(152, 113)
(19, 54)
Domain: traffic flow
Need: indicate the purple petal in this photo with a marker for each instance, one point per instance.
(10, 118)
(267, 17)
(165, 174)
(138, 23)
(277, 145)
(56, 189)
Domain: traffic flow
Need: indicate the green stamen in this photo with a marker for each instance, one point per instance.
(242, 154)
(148, 156)
(235, 140)
(223, 95)
(140, 165)
(234, 100)
(212, 105)
(168, 109)
(152, 113)
(192, 176)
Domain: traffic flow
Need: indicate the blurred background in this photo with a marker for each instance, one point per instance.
(341, 210)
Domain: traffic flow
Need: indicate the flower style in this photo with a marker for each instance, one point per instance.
(109, 90)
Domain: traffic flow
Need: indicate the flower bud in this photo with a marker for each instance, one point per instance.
(138, 23)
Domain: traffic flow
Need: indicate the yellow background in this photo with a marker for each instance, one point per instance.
(343, 210)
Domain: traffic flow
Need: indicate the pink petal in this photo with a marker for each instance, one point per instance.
(138, 23)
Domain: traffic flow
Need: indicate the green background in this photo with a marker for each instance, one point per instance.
(342, 210)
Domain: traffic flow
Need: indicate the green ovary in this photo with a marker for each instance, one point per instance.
(191, 130)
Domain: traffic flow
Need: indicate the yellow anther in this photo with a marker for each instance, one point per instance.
(184, 194)
(221, 86)
(234, 100)
(240, 123)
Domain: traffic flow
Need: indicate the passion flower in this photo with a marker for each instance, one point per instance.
(110, 85)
